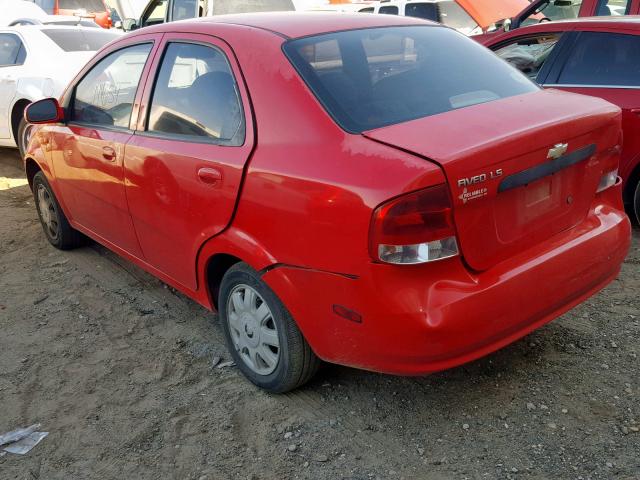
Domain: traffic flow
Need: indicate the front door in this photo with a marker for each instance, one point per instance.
(88, 152)
(185, 162)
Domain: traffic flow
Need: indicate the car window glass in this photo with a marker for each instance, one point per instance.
(529, 54)
(373, 77)
(156, 13)
(90, 6)
(11, 50)
(105, 95)
(554, 10)
(389, 10)
(46, 5)
(424, 10)
(454, 16)
(184, 9)
(80, 39)
(366, 10)
(613, 7)
(603, 59)
(195, 95)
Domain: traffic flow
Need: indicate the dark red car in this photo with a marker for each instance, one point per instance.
(597, 56)
(367, 190)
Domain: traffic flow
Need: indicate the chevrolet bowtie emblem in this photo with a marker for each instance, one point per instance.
(558, 150)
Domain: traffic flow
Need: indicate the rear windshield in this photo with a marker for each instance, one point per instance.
(374, 77)
(80, 40)
(91, 6)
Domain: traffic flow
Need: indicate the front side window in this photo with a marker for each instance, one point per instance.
(607, 59)
(374, 77)
(105, 95)
(155, 13)
(389, 10)
(554, 10)
(613, 7)
(196, 96)
(426, 10)
(529, 54)
(12, 50)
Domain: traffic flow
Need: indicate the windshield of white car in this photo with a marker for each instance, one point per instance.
(374, 77)
(80, 39)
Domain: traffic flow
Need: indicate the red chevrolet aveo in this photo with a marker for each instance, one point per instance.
(371, 191)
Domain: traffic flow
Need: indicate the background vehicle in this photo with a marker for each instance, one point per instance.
(550, 10)
(55, 20)
(39, 61)
(95, 9)
(353, 7)
(162, 11)
(362, 228)
(597, 56)
(467, 16)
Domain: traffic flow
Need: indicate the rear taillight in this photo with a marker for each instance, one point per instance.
(607, 180)
(414, 228)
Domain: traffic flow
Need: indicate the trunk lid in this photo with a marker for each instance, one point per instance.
(508, 190)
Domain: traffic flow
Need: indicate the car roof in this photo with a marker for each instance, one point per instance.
(292, 24)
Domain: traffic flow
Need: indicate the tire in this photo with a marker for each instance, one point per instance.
(54, 223)
(22, 138)
(251, 330)
(636, 203)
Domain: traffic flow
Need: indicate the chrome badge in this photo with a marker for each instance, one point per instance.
(557, 150)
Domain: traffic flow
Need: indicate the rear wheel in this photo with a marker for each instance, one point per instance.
(54, 223)
(24, 135)
(636, 203)
(261, 335)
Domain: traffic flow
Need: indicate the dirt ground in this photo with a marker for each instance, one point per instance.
(117, 367)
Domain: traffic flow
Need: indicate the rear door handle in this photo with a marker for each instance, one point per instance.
(109, 153)
(210, 176)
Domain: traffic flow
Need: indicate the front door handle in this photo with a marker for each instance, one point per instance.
(109, 153)
(210, 176)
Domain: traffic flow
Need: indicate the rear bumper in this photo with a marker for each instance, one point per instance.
(426, 318)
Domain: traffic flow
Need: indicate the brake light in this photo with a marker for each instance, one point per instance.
(414, 228)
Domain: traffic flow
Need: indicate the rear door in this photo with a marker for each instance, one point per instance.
(606, 65)
(184, 164)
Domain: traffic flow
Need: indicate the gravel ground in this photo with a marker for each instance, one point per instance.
(118, 368)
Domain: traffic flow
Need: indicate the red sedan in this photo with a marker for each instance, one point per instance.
(597, 56)
(367, 190)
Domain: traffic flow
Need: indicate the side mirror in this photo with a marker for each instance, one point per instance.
(506, 25)
(129, 24)
(47, 110)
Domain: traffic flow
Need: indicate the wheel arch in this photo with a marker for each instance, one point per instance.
(31, 167)
(16, 114)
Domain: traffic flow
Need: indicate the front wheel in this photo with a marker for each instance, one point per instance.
(54, 222)
(261, 335)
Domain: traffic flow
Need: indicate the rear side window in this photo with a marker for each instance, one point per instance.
(428, 11)
(88, 5)
(196, 96)
(105, 95)
(607, 59)
(12, 50)
(380, 76)
(80, 39)
(389, 10)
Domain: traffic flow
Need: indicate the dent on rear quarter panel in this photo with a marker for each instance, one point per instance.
(310, 188)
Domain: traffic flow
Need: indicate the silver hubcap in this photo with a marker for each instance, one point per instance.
(48, 213)
(253, 330)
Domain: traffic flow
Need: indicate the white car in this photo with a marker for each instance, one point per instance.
(38, 61)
